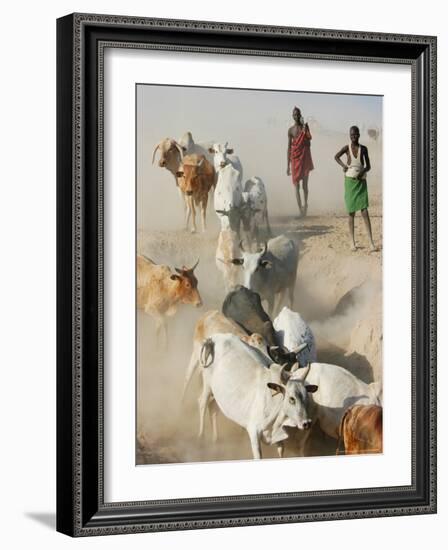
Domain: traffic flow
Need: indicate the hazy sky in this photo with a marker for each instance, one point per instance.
(255, 124)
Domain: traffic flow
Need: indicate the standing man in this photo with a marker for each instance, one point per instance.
(299, 157)
(356, 195)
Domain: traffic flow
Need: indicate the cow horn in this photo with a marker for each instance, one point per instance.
(195, 266)
(241, 246)
(294, 367)
(154, 153)
(306, 371)
(300, 348)
(178, 147)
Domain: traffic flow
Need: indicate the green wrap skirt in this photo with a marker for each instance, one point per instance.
(356, 196)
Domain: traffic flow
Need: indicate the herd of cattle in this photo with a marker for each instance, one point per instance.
(261, 374)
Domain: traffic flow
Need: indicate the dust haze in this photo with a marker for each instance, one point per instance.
(338, 292)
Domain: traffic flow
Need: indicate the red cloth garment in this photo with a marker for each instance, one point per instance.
(300, 156)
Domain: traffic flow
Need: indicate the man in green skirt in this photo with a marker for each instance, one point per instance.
(356, 195)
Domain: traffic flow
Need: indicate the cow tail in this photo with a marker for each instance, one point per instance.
(207, 351)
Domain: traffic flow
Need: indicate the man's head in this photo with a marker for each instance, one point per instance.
(296, 114)
(354, 134)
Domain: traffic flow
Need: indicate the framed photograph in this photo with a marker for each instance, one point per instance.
(246, 274)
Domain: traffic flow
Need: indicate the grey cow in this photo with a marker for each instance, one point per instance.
(271, 271)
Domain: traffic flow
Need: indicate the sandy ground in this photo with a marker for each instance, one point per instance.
(337, 291)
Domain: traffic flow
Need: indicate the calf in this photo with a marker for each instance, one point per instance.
(195, 178)
(254, 211)
(361, 429)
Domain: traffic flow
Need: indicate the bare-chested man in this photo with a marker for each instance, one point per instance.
(299, 158)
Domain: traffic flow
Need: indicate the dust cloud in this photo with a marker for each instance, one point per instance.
(338, 292)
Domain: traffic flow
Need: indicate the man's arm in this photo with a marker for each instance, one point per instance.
(338, 156)
(365, 152)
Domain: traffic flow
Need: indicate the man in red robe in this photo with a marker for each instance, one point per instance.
(299, 157)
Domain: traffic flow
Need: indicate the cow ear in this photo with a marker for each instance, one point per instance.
(266, 264)
(276, 388)
(229, 151)
(175, 277)
(237, 261)
(311, 388)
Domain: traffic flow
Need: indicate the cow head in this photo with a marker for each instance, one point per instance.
(171, 153)
(190, 171)
(295, 391)
(187, 289)
(248, 211)
(220, 152)
(233, 217)
(253, 263)
(282, 355)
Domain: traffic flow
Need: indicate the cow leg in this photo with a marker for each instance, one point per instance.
(187, 211)
(203, 405)
(190, 369)
(213, 410)
(182, 197)
(302, 440)
(204, 211)
(161, 332)
(255, 443)
(280, 449)
(193, 214)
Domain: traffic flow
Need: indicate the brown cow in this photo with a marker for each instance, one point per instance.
(361, 429)
(160, 291)
(195, 179)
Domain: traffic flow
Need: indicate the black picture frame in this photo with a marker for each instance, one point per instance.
(81, 510)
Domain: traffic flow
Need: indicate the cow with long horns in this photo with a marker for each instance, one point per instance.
(160, 291)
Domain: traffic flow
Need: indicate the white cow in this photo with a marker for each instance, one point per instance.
(211, 323)
(292, 332)
(339, 389)
(226, 250)
(222, 156)
(248, 389)
(228, 198)
(254, 213)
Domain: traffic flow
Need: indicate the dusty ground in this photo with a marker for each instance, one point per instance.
(338, 292)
